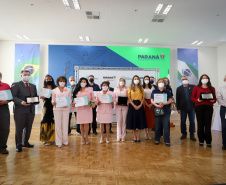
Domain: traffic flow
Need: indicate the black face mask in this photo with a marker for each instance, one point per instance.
(49, 82)
(91, 80)
(151, 81)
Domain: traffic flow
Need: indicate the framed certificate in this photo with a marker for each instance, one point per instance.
(81, 101)
(45, 92)
(206, 96)
(32, 100)
(160, 98)
(106, 98)
(122, 101)
(6, 95)
(63, 102)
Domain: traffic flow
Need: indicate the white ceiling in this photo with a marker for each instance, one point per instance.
(119, 23)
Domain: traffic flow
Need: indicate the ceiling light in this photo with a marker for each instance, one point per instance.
(199, 43)
(18, 36)
(76, 4)
(81, 38)
(158, 9)
(66, 4)
(26, 37)
(166, 11)
(87, 38)
(146, 40)
(140, 40)
(195, 42)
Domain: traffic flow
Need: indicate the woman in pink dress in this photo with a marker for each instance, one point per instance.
(104, 110)
(84, 113)
(121, 111)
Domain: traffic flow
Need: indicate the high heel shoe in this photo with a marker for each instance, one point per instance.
(87, 143)
(107, 141)
(101, 141)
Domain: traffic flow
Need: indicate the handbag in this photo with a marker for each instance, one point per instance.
(158, 111)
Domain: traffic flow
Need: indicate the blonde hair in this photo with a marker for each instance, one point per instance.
(118, 85)
(139, 85)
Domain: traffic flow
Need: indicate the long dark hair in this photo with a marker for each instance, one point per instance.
(104, 82)
(78, 86)
(144, 84)
(209, 85)
(168, 86)
(53, 86)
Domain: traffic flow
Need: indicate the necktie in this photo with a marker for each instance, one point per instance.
(28, 88)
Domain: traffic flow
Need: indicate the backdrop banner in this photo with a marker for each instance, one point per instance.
(66, 57)
(187, 60)
(27, 56)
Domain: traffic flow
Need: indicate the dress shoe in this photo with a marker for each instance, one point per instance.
(223, 147)
(111, 132)
(192, 137)
(167, 144)
(134, 141)
(200, 144)
(4, 151)
(209, 145)
(95, 132)
(19, 149)
(157, 143)
(184, 136)
(138, 141)
(28, 145)
(107, 141)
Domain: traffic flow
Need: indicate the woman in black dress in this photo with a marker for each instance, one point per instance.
(47, 130)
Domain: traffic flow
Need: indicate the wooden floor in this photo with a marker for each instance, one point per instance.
(115, 163)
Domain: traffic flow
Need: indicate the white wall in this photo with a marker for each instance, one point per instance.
(207, 61)
(221, 64)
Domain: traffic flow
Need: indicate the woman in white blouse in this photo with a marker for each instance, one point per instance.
(148, 88)
(121, 111)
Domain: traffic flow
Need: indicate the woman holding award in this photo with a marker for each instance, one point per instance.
(204, 97)
(47, 133)
(121, 108)
(136, 118)
(105, 100)
(148, 88)
(61, 100)
(84, 112)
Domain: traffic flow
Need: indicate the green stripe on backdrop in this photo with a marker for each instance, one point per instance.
(146, 57)
(194, 71)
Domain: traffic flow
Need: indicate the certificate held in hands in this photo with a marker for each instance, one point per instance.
(160, 98)
(122, 101)
(63, 102)
(45, 92)
(32, 100)
(6, 95)
(81, 101)
(206, 96)
(105, 98)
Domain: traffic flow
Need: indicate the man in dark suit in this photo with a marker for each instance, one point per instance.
(186, 107)
(23, 113)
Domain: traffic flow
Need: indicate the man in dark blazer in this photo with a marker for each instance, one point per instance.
(23, 113)
(186, 107)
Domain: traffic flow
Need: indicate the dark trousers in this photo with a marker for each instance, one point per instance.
(223, 124)
(162, 126)
(94, 123)
(69, 124)
(4, 125)
(183, 118)
(23, 122)
(204, 115)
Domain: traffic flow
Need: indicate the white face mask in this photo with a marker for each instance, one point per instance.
(146, 81)
(62, 84)
(72, 82)
(121, 83)
(105, 88)
(161, 85)
(136, 81)
(83, 84)
(204, 81)
(26, 78)
(185, 82)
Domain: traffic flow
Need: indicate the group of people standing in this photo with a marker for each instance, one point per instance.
(141, 111)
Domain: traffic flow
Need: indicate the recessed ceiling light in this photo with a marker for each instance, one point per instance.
(66, 4)
(199, 43)
(195, 42)
(18, 36)
(26, 37)
(140, 40)
(81, 38)
(146, 40)
(76, 4)
(87, 38)
(158, 9)
(166, 11)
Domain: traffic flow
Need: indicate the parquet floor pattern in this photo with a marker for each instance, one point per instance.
(185, 162)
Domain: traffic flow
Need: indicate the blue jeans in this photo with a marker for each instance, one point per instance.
(223, 124)
(183, 118)
(162, 123)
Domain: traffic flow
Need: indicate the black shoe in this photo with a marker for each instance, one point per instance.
(209, 145)
(184, 136)
(200, 144)
(28, 145)
(4, 151)
(223, 147)
(192, 137)
(19, 149)
(111, 132)
(95, 132)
